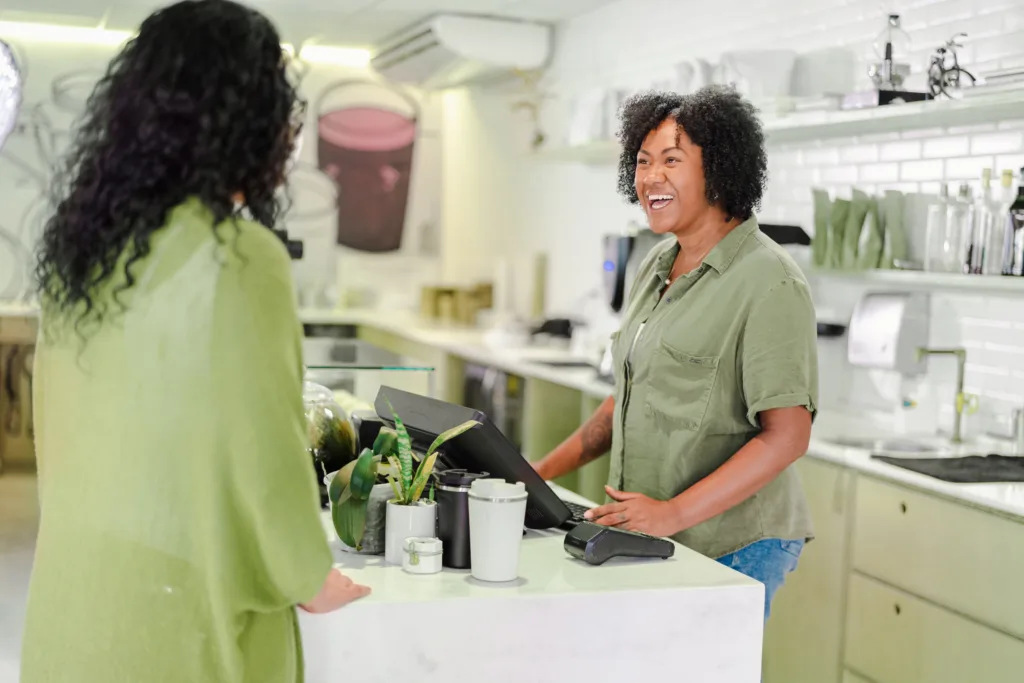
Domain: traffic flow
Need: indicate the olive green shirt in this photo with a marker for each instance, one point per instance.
(694, 367)
(180, 521)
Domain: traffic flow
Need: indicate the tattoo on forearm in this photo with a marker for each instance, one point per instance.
(596, 436)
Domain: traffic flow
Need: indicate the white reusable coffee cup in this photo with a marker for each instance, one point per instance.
(497, 511)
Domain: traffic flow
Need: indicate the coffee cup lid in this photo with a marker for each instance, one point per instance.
(459, 477)
(497, 489)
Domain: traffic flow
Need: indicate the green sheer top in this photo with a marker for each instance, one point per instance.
(179, 516)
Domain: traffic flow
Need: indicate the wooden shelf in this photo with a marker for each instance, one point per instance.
(824, 125)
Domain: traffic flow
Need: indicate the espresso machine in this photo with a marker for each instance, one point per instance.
(623, 254)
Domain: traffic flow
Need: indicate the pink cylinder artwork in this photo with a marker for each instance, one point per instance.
(368, 152)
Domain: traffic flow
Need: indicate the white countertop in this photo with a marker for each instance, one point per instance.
(1004, 499)
(469, 343)
(687, 617)
(11, 309)
(546, 570)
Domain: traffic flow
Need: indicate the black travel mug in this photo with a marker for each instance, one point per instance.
(452, 497)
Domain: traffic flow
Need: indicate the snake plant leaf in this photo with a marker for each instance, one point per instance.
(451, 434)
(396, 470)
(394, 487)
(422, 476)
(404, 448)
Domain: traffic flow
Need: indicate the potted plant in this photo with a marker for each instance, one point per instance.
(358, 495)
(407, 514)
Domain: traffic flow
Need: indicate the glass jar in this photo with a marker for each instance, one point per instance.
(332, 439)
(892, 51)
(941, 240)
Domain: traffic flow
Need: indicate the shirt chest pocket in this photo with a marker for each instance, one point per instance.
(679, 388)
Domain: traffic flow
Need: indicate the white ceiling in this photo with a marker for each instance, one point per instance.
(340, 22)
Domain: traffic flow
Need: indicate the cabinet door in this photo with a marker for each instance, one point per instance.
(594, 475)
(804, 633)
(957, 557)
(894, 637)
(17, 446)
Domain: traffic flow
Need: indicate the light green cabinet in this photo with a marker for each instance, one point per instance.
(961, 558)
(803, 637)
(551, 415)
(594, 475)
(900, 586)
(894, 637)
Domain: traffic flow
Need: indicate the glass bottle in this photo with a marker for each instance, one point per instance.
(987, 257)
(1013, 264)
(936, 244)
(1006, 192)
(960, 228)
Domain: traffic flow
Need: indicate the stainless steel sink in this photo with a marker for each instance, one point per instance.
(563, 363)
(892, 445)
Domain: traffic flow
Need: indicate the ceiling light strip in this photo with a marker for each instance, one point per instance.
(55, 33)
(85, 35)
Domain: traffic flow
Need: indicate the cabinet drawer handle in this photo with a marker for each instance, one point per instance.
(898, 608)
(903, 508)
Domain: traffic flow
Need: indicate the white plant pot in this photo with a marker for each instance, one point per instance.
(407, 521)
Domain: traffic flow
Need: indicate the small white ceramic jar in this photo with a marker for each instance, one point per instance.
(422, 555)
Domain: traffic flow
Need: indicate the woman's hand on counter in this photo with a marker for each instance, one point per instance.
(637, 512)
(338, 590)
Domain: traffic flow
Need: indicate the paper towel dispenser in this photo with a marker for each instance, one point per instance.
(886, 331)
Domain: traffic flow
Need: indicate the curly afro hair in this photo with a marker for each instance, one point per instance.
(198, 104)
(719, 121)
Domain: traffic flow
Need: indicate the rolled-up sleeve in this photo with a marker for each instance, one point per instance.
(779, 364)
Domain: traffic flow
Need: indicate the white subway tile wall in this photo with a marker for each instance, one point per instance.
(625, 42)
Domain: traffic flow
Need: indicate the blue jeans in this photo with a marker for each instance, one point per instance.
(768, 561)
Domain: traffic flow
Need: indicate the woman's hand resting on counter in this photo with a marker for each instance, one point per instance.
(636, 512)
(338, 590)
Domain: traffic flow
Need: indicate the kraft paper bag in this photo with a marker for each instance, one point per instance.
(822, 214)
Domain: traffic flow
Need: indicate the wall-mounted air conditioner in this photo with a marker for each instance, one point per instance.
(448, 50)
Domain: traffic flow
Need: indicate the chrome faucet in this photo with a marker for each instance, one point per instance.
(963, 402)
(1018, 431)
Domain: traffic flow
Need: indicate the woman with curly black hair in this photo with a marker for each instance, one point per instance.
(179, 515)
(716, 359)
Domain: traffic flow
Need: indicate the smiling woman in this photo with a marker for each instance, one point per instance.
(715, 362)
(714, 123)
